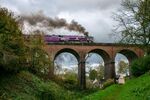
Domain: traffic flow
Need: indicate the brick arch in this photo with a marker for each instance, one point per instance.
(108, 71)
(131, 55)
(102, 53)
(68, 50)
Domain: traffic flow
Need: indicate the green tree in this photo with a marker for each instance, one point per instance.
(134, 23)
(123, 67)
(11, 41)
(93, 74)
(70, 75)
(140, 66)
(39, 61)
(18, 51)
(100, 72)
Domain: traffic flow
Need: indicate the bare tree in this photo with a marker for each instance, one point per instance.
(134, 23)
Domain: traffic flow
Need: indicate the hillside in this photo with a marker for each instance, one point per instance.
(26, 86)
(134, 89)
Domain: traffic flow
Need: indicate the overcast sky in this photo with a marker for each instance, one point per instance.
(94, 15)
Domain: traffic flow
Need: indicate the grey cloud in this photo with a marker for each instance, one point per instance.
(94, 15)
(64, 58)
(55, 6)
(87, 4)
(94, 59)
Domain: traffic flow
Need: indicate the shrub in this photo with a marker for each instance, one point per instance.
(11, 41)
(70, 84)
(108, 83)
(140, 66)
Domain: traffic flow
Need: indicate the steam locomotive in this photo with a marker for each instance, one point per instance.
(64, 38)
(68, 38)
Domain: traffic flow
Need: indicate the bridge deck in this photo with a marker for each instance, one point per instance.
(93, 44)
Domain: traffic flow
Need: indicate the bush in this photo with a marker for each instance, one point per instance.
(108, 83)
(11, 42)
(140, 66)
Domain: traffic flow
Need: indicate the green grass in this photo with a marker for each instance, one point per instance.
(109, 93)
(134, 89)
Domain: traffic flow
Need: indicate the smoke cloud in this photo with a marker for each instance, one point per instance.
(40, 22)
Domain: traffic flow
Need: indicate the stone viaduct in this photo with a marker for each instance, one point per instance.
(107, 51)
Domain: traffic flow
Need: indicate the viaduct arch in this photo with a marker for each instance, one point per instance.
(107, 51)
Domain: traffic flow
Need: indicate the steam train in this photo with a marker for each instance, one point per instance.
(68, 38)
(64, 38)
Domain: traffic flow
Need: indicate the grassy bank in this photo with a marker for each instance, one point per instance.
(134, 89)
(26, 86)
